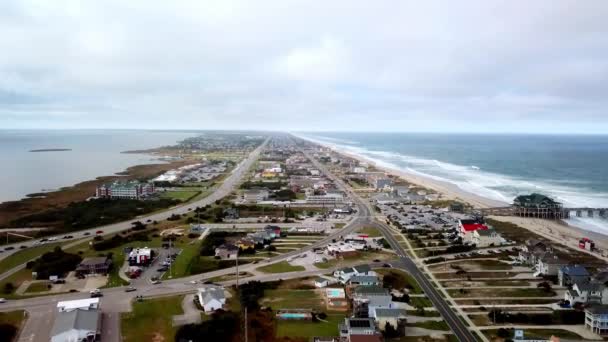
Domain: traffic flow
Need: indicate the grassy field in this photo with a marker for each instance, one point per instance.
(420, 302)
(181, 266)
(310, 329)
(371, 231)
(531, 292)
(37, 287)
(404, 279)
(432, 325)
(293, 299)
(151, 320)
(280, 267)
(181, 195)
(16, 279)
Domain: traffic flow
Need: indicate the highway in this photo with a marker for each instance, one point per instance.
(225, 188)
(405, 263)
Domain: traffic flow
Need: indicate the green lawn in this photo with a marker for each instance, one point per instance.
(37, 287)
(182, 195)
(181, 266)
(325, 265)
(432, 325)
(310, 329)
(371, 231)
(420, 302)
(403, 279)
(280, 267)
(15, 279)
(540, 334)
(151, 320)
(293, 299)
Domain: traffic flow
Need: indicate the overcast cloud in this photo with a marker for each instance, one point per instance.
(497, 66)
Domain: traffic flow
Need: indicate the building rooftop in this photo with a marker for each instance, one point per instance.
(575, 271)
(386, 312)
(598, 309)
(75, 320)
(371, 290)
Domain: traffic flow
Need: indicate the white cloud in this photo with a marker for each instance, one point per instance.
(297, 64)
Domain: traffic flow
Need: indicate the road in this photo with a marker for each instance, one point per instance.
(225, 188)
(405, 263)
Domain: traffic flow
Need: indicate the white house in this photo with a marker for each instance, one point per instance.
(211, 297)
(344, 274)
(487, 237)
(321, 282)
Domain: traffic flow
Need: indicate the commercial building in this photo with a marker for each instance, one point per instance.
(326, 200)
(255, 195)
(94, 265)
(81, 304)
(227, 251)
(140, 256)
(539, 206)
(125, 190)
(76, 325)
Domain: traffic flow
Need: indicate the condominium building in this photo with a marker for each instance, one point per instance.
(129, 189)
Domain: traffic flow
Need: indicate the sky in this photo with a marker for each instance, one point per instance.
(341, 65)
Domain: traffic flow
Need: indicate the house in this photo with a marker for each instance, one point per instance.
(76, 325)
(596, 319)
(273, 231)
(570, 275)
(532, 250)
(211, 298)
(487, 237)
(255, 195)
(549, 265)
(140, 256)
(467, 227)
(94, 265)
(226, 251)
(368, 298)
(80, 304)
(589, 292)
(344, 274)
(393, 316)
(363, 280)
(382, 183)
(357, 326)
(321, 282)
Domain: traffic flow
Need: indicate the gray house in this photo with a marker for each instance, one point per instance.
(76, 325)
(570, 275)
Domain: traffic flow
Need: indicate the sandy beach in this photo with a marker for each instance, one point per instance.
(555, 230)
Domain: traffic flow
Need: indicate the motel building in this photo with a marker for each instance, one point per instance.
(467, 228)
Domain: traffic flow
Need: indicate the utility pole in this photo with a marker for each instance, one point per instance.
(170, 258)
(237, 270)
(246, 324)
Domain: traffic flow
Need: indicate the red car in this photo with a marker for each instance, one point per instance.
(99, 232)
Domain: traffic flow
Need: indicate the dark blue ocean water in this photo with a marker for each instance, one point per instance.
(571, 168)
(94, 153)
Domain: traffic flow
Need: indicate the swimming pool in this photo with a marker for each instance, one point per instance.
(290, 315)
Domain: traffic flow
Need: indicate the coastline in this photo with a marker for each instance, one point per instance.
(556, 230)
(62, 197)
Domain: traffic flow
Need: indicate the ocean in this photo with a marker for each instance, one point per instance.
(569, 168)
(93, 153)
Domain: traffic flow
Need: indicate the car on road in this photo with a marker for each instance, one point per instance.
(86, 233)
(162, 269)
(68, 237)
(99, 232)
(130, 289)
(387, 266)
(23, 246)
(155, 282)
(2, 300)
(9, 248)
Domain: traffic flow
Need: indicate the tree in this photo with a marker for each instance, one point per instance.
(9, 288)
(390, 331)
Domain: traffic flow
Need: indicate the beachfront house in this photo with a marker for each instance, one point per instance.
(596, 319)
(486, 238)
(549, 265)
(357, 326)
(368, 298)
(358, 280)
(570, 275)
(344, 274)
(393, 316)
